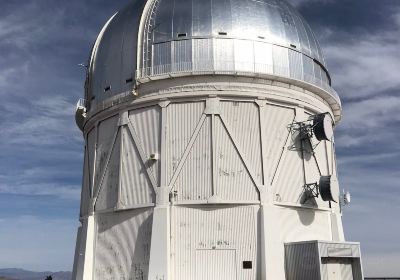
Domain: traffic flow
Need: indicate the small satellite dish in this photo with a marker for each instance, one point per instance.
(325, 188)
(322, 127)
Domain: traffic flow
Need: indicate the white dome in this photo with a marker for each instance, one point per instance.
(158, 39)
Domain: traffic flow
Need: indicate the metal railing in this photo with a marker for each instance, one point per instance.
(81, 103)
(218, 67)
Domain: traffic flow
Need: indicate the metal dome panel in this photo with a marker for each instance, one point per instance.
(112, 64)
(157, 39)
(230, 36)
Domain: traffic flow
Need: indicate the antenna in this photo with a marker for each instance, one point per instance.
(320, 126)
(345, 198)
(323, 188)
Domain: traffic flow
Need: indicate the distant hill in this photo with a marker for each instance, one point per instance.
(21, 274)
(4, 278)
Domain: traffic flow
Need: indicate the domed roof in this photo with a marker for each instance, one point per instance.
(158, 39)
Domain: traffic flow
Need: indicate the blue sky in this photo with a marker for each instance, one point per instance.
(43, 41)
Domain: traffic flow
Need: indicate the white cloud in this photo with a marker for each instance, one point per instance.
(371, 113)
(45, 121)
(64, 192)
(364, 65)
(369, 121)
(44, 129)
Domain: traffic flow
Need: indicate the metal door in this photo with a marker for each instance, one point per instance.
(339, 268)
(346, 269)
(334, 272)
(216, 264)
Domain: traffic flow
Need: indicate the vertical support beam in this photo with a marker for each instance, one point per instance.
(337, 227)
(273, 256)
(213, 157)
(163, 163)
(160, 244)
(212, 109)
(93, 179)
(88, 261)
(261, 109)
(159, 264)
(123, 122)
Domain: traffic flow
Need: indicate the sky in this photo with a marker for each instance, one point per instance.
(41, 149)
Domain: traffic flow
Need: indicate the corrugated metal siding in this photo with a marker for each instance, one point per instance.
(181, 121)
(212, 228)
(281, 61)
(91, 148)
(108, 195)
(135, 185)
(147, 124)
(85, 193)
(106, 132)
(195, 179)
(289, 178)
(296, 65)
(233, 181)
(182, 55)
(263, 58)
(162, 58)
(302, 262)
(321, 155)
(276, 133)
(308, 69)
(243, 119)
(122, 247)
(312, 164)
(216, 264)
(203, 54)
(223, 55)
(244, 55)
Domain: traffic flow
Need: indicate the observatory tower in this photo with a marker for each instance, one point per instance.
(209, 151)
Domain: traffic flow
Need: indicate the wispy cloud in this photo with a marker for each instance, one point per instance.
(47, 120)
(43, 130)
(366, 66)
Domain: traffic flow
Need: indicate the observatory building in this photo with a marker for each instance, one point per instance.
(209, 150)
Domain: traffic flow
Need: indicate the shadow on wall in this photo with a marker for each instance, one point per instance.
(306, 217)
(141, 256)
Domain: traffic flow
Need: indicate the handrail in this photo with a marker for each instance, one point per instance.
(221, 67)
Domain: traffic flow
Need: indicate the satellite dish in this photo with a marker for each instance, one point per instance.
(322, 127)
(325, 188)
